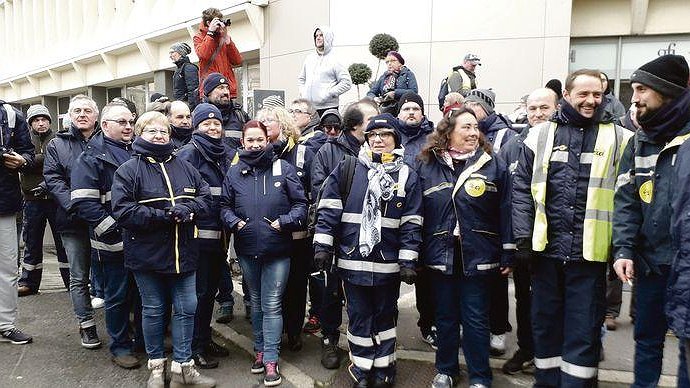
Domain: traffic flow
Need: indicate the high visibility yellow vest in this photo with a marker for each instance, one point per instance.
(598, 225)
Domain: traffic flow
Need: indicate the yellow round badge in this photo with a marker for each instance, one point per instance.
(646, 191)
(475, 187)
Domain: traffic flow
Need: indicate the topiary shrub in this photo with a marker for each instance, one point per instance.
(381, 44)
(360, 74)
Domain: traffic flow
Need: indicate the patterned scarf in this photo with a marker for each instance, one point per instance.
(380, 187)
(389, 82)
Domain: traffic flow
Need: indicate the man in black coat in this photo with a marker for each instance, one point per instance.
(186, 76)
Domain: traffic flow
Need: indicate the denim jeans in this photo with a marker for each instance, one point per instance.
(650, 327)
(8, 271)
(36, 214)
(462, 300)
(156, 290)
(97, 287)
(266, 279)
(119, 298)
(78, 249)
(208, 274)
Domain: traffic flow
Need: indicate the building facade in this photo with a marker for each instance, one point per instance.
(108, 48)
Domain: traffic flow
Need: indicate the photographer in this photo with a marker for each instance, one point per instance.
(216, 51)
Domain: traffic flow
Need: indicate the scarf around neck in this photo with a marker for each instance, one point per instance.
(181, 134)
(257, 159)
(212, 146)
(667, 121)
(159, 152)
(380, 187)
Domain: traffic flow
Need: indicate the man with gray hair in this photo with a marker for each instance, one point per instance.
(186, 76)
(61, 154)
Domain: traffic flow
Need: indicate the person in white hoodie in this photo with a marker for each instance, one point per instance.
(323, 78)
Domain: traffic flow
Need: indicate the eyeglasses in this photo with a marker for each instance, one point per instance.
(380, 135)
(292, 111)
(122, 122)
(156, 131)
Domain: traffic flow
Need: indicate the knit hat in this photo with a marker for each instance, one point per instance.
(205, 111)
(411, 97)
(385, 122)
(159, 97)
(667, 75)
(272, 102)
(556, 86)
(330, 117)
(484, 97)
(397, 56)
(181, 48)
(212, 82)
(35, 111)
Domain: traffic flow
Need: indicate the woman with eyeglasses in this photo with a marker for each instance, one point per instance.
(263, 202)
(466, 237)
(369, 216)
(284, 136)
(157, 199)
(396, 81)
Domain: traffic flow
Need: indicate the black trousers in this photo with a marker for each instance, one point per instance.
(295, 296)
(498, 304)
(426, 304)
(211, 260)
(523, 307)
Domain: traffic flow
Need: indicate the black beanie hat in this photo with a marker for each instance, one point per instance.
(385, 121)
(667, 75)
(411, 97)
(556, 86)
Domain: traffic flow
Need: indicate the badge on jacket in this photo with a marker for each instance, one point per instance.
(646, 191)
(475, 187)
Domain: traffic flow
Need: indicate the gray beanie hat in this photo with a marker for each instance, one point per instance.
(484, 97)
(37, 110)
(181, 48)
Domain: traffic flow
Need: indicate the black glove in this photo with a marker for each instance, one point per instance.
(408, 275)
(322, 260)
(181, 213)
(39, 191)
(524, 253)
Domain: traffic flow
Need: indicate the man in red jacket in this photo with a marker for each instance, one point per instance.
(216, 51)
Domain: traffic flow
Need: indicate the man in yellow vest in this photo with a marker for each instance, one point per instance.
(563, 189)
(644, 193)
(463, 79)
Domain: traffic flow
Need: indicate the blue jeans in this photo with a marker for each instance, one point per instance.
(462, 300)
(36, 215)
(119, 297)
(650, 326)
(97, 278)
(78, 249)
(266, 279)
(156, 290)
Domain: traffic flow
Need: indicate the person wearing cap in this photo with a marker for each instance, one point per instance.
(393, 84)
(323, 77)
(209, 155)
(331, 123)
(497, 128)
(463, 78)
(263, 202)
(466, 193)
(283, 136)
(563, 187)
(642, 242)
(217, 92)
(157, 199)
(91, 181)
(39, 208)
(17, 154)
(355, 120)
(373, 228)
(216, 51)
(186, 75)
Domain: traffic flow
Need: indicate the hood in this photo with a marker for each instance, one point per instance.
(327, 38)
(494, 122)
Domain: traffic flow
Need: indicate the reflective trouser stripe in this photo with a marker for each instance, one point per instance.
(582, 372)
(361, 362)
(407, 254)
(101, 246)
(31, 267)
(548, 363)
(386, 335)
(360, 341)
(323, 238)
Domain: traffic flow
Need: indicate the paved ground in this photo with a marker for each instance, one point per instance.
(57, 357)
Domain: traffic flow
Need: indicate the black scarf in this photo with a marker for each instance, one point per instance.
(257, 159)
(667, 121)
(159, 152)
(569, 115)
(181, 134)
(212, 147)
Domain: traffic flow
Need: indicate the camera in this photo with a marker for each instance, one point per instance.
(227, 22)
(5, 150)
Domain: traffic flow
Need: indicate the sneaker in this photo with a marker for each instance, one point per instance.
(89, 337)
(313, 325)
(431, 338)
(97, 303)
(272, 376)
(15, 336)
(225, 314)
(185, 374)
(258, 365)
(23, 290)
(520, 361)
(498, 344)
(329, 354)
(610, 323)
(444, 381)
(126, 361)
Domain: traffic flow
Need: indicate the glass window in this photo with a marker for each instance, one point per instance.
(139, 95)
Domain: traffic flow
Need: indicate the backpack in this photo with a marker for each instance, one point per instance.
(442, 92)
(347, 173)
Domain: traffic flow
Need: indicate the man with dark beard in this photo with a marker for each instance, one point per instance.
(217, 92)
(644, 192)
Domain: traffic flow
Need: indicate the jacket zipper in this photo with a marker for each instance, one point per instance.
(177, 227)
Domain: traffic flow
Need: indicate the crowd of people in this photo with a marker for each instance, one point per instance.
(322, 205)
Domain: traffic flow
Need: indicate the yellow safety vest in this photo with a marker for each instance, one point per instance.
(598, 225)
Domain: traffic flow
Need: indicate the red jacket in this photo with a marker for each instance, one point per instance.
(228, 56)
